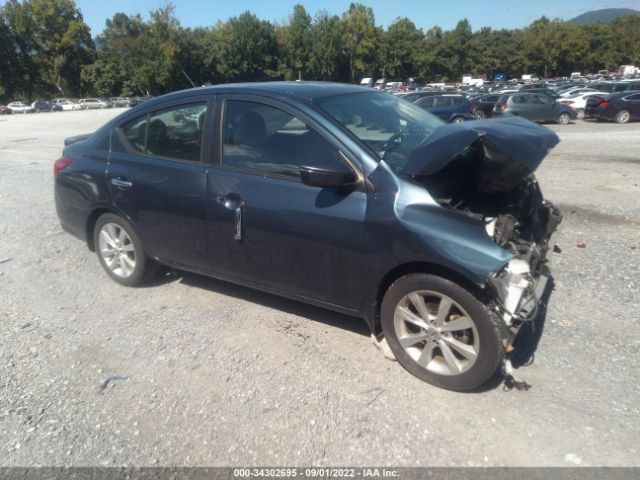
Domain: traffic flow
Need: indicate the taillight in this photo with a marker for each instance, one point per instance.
(603, 103)
(566, 102)
(61, 164)
(503, 106)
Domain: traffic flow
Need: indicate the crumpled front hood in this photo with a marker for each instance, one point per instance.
(516, 142)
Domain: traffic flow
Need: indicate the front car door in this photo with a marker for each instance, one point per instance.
(268, 228)
(157, 176)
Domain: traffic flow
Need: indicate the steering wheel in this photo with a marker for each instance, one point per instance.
(391, 139)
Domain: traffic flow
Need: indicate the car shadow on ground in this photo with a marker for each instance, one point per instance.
(310, 312)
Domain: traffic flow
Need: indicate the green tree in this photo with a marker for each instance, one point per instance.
(51, 42)
(297, 45)
(327, 58)
(400, 48)
(246, 49)
(361, 40)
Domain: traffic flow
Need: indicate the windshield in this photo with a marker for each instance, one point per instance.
(390, 127)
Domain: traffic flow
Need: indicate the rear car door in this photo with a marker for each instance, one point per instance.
(443, 107)
(548, 108)
(268, 228)
(157, 178)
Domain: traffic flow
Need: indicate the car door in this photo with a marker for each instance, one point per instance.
(266, 227)
(157, 178)
(443, 108)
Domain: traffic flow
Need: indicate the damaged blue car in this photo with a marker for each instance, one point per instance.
(437, 235)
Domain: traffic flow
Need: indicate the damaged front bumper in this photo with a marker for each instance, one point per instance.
(520, 285)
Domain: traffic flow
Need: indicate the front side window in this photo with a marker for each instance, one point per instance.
(267, 140)
(391, 128)
(174, 132)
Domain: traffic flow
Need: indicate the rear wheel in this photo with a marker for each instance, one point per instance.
(441, 333)
(480, 114)
(580, 114)
(623, 116)
(563, 118)
(120, 251)
(457, 120)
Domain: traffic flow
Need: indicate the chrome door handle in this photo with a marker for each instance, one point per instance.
(238, 235)
(118, 182)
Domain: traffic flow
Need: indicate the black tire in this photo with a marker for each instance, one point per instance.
(144, 268)
(490, 331)
(623, 116)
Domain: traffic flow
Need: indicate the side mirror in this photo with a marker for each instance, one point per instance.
(328, 174)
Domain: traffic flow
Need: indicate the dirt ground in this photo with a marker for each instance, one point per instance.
(193, 371)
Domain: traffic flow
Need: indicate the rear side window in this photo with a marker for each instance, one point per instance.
(135, 132)
(458, 100)
(425, 102)
(175, 132)
(519, 99)
(633, 98)
(442, 102)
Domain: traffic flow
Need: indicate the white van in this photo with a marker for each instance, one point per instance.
(366, 82)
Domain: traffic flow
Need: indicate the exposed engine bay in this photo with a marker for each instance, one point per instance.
(486, 184)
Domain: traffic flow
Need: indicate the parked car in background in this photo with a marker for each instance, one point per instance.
(536, 107)
(92, 103)
(482, 105)
(120, 102)
(415, 95)
(450, 108)
(572, 92)
(579, 102)
(613, 87)
(20, 107)
(380, 84)
(5, 110)
(620, 107)
(335, 195)
(45, 106)
(66, 104)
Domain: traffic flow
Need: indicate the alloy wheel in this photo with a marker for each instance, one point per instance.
(622, 116)
(436, 332)
(117, 250)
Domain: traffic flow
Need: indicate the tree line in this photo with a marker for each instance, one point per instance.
(46, 50)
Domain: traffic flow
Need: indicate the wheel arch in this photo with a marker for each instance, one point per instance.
(91, 223)
(411, 268)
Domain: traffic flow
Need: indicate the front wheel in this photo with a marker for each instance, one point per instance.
(622, 116)
(441, 333)
(457, 120)
(120, 251)
(580, 114)
(563, 118)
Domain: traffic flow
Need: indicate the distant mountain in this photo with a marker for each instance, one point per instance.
(605, 15)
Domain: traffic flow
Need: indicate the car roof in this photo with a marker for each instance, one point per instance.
(302, 90)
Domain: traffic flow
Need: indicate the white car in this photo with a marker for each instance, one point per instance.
(20, 107)
(576, 91)
(68, 105)
(579, 102)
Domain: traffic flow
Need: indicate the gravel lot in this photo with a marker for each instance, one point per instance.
(207, 373)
